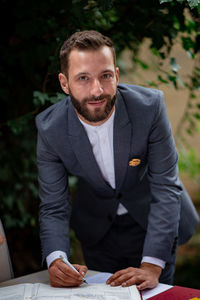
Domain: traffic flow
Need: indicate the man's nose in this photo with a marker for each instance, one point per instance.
(96, 89)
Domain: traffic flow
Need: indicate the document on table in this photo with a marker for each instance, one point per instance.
(99, 277)
(160, 288)
(95, 290)
(40, 291)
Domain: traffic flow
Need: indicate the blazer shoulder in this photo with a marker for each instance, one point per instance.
(142, 104)
(140, 96)
(50, 116)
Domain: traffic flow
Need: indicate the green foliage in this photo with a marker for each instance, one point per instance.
(189, 162)
(18, 174)
(41, 99)
(192, 3)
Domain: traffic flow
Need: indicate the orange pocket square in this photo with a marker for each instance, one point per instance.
(134, 162)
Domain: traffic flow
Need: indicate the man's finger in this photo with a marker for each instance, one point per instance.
(116, 275)
(144, 285)
(68, 271)
(121, 279)
(81, 269)
(133, 280)
(66, 277)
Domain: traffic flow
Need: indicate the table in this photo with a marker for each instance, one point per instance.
(43, 277)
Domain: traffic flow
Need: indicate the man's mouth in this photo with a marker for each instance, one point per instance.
(97, 102)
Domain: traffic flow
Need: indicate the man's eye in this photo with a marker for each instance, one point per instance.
(107, 76)
(83, 78)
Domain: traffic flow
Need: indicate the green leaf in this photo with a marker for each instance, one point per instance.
(173, 79)
(198, 127)
(187, 43)
(72, 181)
(165, 1)
(40, 98)
(197, 116)
(189, 162)
(151, 83)
(190, 54)
(162, 80)
(188, 130)
(17, 126)
(174, 66)
(180, 81)
(9, 200)
(193, 3)
(142, 64)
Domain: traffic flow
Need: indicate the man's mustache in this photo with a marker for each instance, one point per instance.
(99, 98)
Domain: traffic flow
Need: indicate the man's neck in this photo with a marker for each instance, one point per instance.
(95, 123)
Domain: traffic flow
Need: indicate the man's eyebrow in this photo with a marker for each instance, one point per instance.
(82, 74)
(107, 70)
(87, 73)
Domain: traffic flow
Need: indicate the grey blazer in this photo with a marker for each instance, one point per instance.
(151, 191)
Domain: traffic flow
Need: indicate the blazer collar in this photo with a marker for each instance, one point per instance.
(84, 154)
(122, 141)
(83, 150)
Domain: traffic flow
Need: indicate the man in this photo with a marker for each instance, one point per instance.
(130, 209)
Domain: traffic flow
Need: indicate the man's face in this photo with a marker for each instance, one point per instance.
(91, 83)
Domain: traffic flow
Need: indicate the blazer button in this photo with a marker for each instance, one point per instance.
(119, 196)
(110, 217)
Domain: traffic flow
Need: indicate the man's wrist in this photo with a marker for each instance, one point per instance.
(153, 260)
(54, 256)
(155, 269)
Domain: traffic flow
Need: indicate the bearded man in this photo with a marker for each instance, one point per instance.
(130, 209)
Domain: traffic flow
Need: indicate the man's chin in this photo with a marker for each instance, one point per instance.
(95, 118)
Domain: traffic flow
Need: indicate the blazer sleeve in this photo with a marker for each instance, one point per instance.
(163, 219)
(55, 205)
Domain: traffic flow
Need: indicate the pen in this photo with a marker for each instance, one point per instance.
(70, 265)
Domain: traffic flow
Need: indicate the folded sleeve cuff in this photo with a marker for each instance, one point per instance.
(154, 261)
(53, 256)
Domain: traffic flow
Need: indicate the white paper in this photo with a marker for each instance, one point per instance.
(146, 294)
(40, 291)
(98, 278)
(16, 292)
(97, 291)
(89, 292)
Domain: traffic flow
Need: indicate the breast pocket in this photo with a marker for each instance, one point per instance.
(138, 165)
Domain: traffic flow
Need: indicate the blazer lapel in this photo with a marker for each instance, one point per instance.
(83, 150)
(122, 141)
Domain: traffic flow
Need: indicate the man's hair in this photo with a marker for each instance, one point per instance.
(83, 40)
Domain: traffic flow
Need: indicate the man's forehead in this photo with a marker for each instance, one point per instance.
(79, 57)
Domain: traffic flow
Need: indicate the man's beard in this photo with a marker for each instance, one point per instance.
(97, 114)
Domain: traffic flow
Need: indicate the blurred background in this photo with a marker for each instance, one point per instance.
(158, 45)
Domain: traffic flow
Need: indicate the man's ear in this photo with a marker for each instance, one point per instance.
(117, 74)
(63, 82)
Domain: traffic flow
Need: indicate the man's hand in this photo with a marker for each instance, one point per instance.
(61, 275)
(146, 276)
(2, 240)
